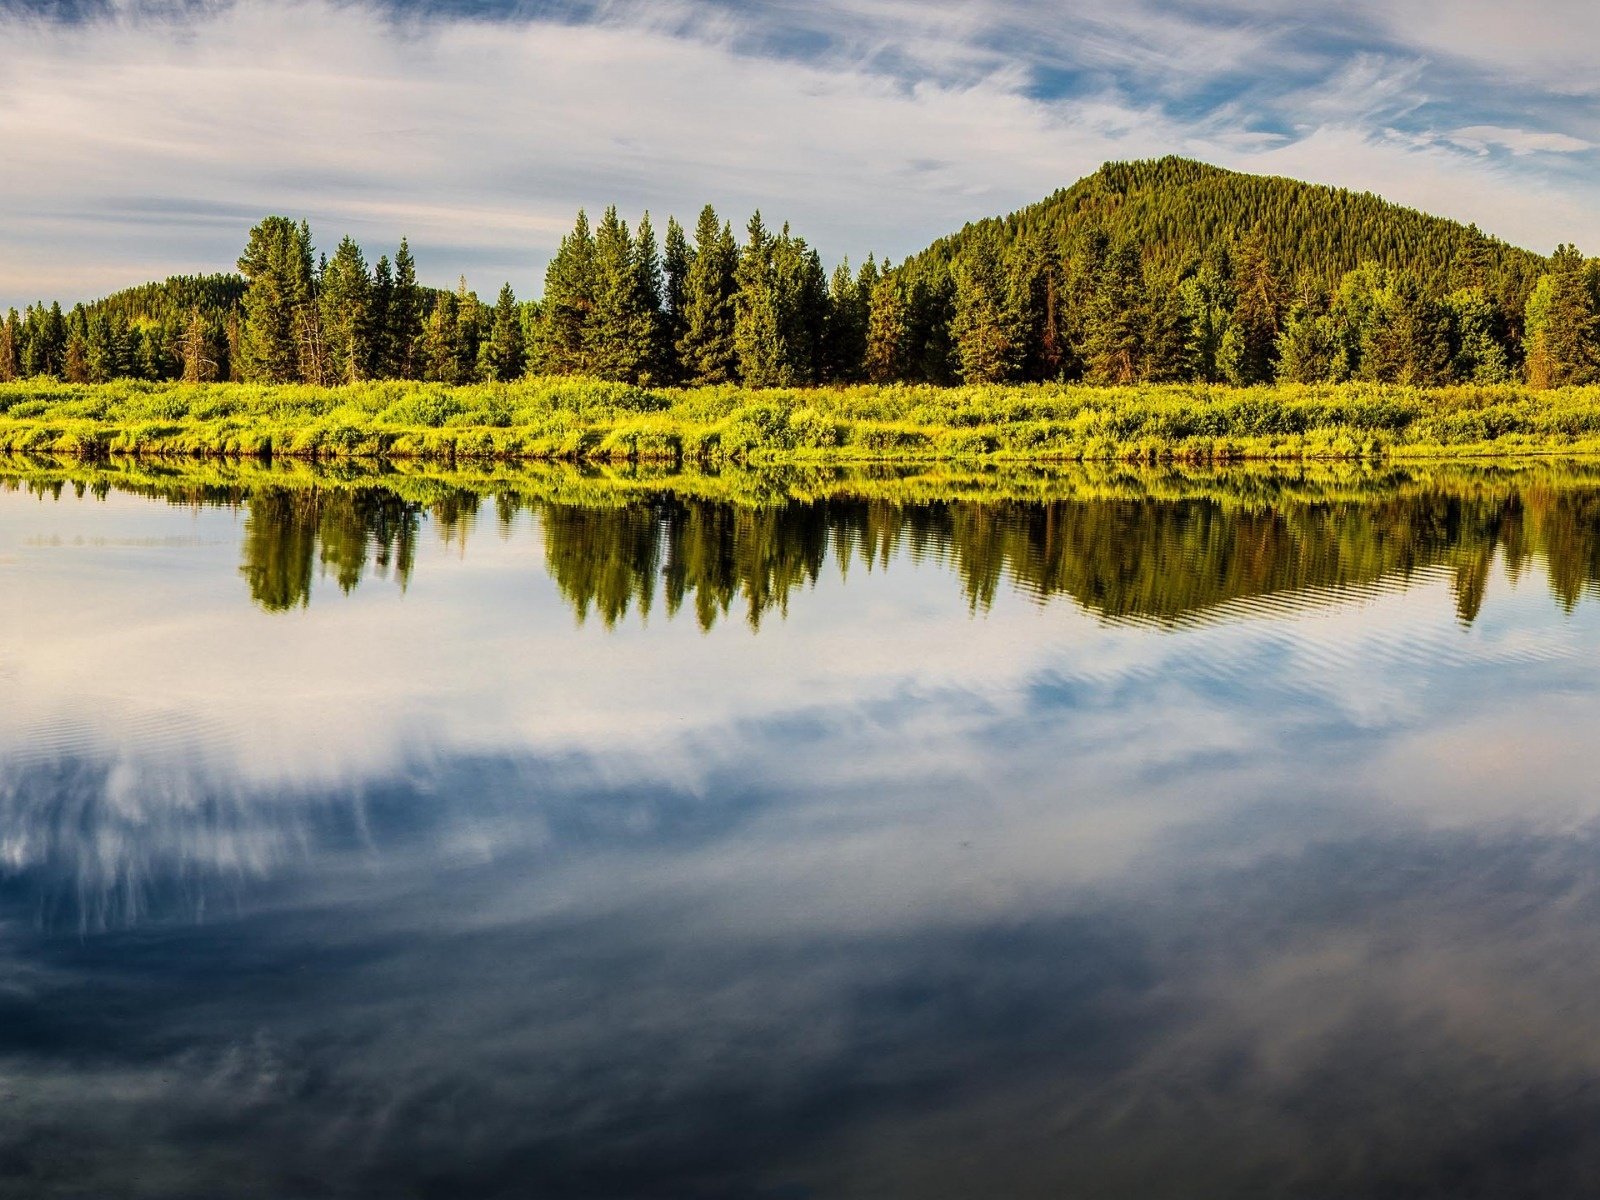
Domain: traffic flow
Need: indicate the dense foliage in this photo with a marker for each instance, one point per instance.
(1150, 272)
(589, 420)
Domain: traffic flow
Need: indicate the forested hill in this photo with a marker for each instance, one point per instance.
(173, 299)
(1146, 272)
(1177, 211)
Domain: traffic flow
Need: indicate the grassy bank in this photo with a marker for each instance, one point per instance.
(1252, 486)
(588, 421)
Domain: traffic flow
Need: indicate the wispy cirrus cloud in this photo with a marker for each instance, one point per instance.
(144, 137)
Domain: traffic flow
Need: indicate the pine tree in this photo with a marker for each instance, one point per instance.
(988, 329)
(1117, 320)
(10, 350)
(1257, 314)
(757, 337)
(275, 263)
(316, 364)
(800, 293)
(467, 339)
(1563, 324)
(844, 348)
(46, 348)
(706, 351)
(405, 317)
(562, 346)
(437, 352)
(1478, 353)
(610, 335)
(887, 359)
(107, 351)
(382, 361)
(346, 311)
(75, 364)
(1039, 297)
(649, 335)
(1207, 301)
(1422, 330)
(676, 265)
(504, 351)
(1167, 336)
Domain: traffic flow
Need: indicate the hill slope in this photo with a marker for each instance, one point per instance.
(1176, 210)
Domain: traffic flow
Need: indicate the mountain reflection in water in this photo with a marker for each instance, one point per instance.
(505, 833)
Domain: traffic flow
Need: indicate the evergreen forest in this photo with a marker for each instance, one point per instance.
(1168, 271)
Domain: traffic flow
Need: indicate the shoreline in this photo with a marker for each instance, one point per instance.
(590, 422)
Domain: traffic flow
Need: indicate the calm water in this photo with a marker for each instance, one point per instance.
(1171, 838)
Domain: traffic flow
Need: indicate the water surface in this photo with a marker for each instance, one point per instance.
(1110, 834)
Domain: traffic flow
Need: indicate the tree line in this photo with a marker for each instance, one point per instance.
(1161, 272)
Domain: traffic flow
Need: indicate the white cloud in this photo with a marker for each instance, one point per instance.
(1518, 141)
(147, 140)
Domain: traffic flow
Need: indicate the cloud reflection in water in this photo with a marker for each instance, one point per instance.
(923, 889)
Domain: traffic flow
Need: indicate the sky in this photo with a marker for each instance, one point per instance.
(142, 138)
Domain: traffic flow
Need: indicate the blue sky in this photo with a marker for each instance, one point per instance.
(143, 137)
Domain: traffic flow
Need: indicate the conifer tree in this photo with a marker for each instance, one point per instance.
(677, 261)
(563, 342)
(988, 329)
(1563, 324)
(276, 265)
(1478, 354)
(1207, 302)
(504, 351)
(1167, 334)
(757, 337)
(844, 349)
(1257, 315)
(151, 360)
(650, 329)
(800, 296)
(887, 357)
(1422, 331)
(346, 311)
(1037, 279)
(706, 351)
(437, 353)
(405, 317)
(46, 350)
(10, 351)
(616, 334)
(467, 338)
(233, 343)
(75, 364)
(107, 352)
(1116, 326)
(382, 359)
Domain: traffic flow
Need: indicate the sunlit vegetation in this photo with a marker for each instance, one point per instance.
(1124, 542)
(581, 420)
(1142, 273)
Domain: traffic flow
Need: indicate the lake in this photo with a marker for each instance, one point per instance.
(1106, 833)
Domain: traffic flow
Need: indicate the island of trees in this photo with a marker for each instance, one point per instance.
(1168, 271)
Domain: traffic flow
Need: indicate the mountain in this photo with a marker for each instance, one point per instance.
(1176, 210)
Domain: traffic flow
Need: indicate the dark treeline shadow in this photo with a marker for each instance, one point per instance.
(289, 532)
(1166, 555)
(1155, 560)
